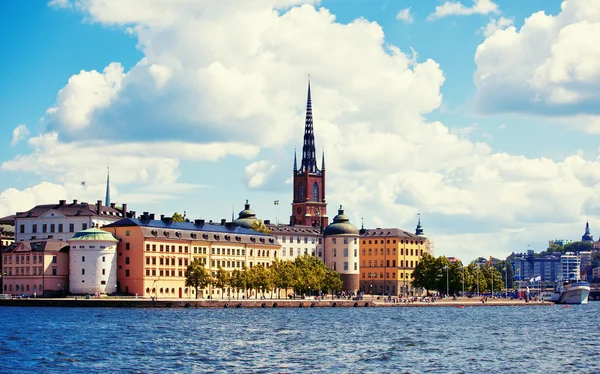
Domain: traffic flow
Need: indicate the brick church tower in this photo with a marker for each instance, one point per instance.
(309, 206)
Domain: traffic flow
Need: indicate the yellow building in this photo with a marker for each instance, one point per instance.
(388, 258)
(153, 255)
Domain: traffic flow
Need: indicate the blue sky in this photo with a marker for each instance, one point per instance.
(479, 114)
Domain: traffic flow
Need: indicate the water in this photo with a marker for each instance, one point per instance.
(347, 340)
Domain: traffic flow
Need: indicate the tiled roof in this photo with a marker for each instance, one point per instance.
(49, 245)
(8, 220)
(191, 231)
(70, 209)
(393, 232)
(293, 230)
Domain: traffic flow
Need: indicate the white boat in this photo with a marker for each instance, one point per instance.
(569, 293)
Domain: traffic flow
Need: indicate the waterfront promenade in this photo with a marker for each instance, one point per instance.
(257, 303)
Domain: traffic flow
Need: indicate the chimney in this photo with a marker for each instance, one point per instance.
(124, 210)
(267, 222)
(210, 222)
(152, 216)
(132, 214)
(199, 222)
(74, 201)
(162, 217)
(223, 221)
(62, 202)
(112, 205)
(167, 220)
(99, 207)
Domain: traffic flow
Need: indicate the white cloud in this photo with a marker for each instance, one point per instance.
(19, 133)
(404, 15)
(451, 8)
(229, 78)
(86, 92)
(495, 25)
(548, 66)
(60, 3)
(13, 200)
(258, 173)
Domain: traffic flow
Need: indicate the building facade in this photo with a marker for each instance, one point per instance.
(154, 254)
(93, 262)
(309, 207)
(341, 250)
(388, 257)
(61, 221)
(528, 266)
(36, 267)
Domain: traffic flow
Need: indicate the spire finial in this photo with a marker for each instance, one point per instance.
(419, 230)
(323, 160)
(295, 163)
(309, 161)
(107, 198)
(362, 223)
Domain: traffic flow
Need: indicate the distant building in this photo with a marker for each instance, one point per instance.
(93, 262)
(36, 267)
(7, 235)
(297, 240)
(528, 266)
(561, 242)
(570, 266)
(341, 250)
(388, 257)
(587, 237)
(153, 255)
(61, 221)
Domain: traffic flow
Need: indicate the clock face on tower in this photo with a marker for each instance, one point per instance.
(299, 210)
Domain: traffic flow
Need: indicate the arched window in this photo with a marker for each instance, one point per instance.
(301, 192)
(315, 191)
(148, 290)
(161, 290)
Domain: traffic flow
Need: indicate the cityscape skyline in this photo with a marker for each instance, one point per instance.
(417, 115)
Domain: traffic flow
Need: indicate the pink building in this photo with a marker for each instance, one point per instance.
(36, 267)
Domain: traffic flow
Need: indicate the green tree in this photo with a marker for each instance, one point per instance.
(235, 281)
(578, 247)
(283, 275)
(259, 226)
(332, 282)
(221, 280)
(426, 273)
(177, 217)
(196, 276)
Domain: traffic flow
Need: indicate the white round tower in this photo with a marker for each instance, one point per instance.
(93, 262)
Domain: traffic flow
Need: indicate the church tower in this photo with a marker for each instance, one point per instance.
(309, 206)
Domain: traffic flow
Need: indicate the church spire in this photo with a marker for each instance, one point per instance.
(107, 199)
(323, 161)
(309, 161)
(419, 230)
(295, 163)
(587, 237)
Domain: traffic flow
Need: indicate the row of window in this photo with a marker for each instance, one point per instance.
(299, 239)
(163, 248)
(9, 287)
(365, 263)
(25, 271)
(376, 252)
(345, 266)
(163, 261)
(83, 271)
(90, 247)
(387, 275)
(103, 259)
(24, 259)
(346, 241)
(345, 252)
(299, 252)
(393, 241)
(53, 227)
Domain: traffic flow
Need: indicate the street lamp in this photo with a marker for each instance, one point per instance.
(447, 281)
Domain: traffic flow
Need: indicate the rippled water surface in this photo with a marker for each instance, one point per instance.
(369, 340)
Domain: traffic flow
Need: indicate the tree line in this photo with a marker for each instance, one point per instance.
(305, 275)
(447, 277)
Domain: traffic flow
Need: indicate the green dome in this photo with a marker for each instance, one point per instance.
(341, 225)
(246, 217)
(94, 234)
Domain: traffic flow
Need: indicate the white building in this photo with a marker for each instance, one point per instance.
(93, 262)
(570, 266)
(61, 221)
(341, 250)
(297, 240)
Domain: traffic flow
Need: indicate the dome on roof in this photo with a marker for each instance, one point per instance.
(341, 225)
(246, 217)
(95, 235)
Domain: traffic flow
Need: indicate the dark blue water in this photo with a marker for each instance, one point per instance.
(389, 340)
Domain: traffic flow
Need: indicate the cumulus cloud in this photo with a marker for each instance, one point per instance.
(547, 67)
(19, 133)
(229, 78)
(85, 93)
(404, 15)
(495, 25)
(13, 200)
(451, 8)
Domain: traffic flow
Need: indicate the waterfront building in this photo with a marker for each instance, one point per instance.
(388, 257)
(61, 221)
(36, 267)
(93, 262)
(153, 255)
(527, 266)
(309, 207)
(297, 240)
(7, 235)
(341, 250)
(570, 266)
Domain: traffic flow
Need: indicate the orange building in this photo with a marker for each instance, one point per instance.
(388, 258)
(153, 254)
(36, 267)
